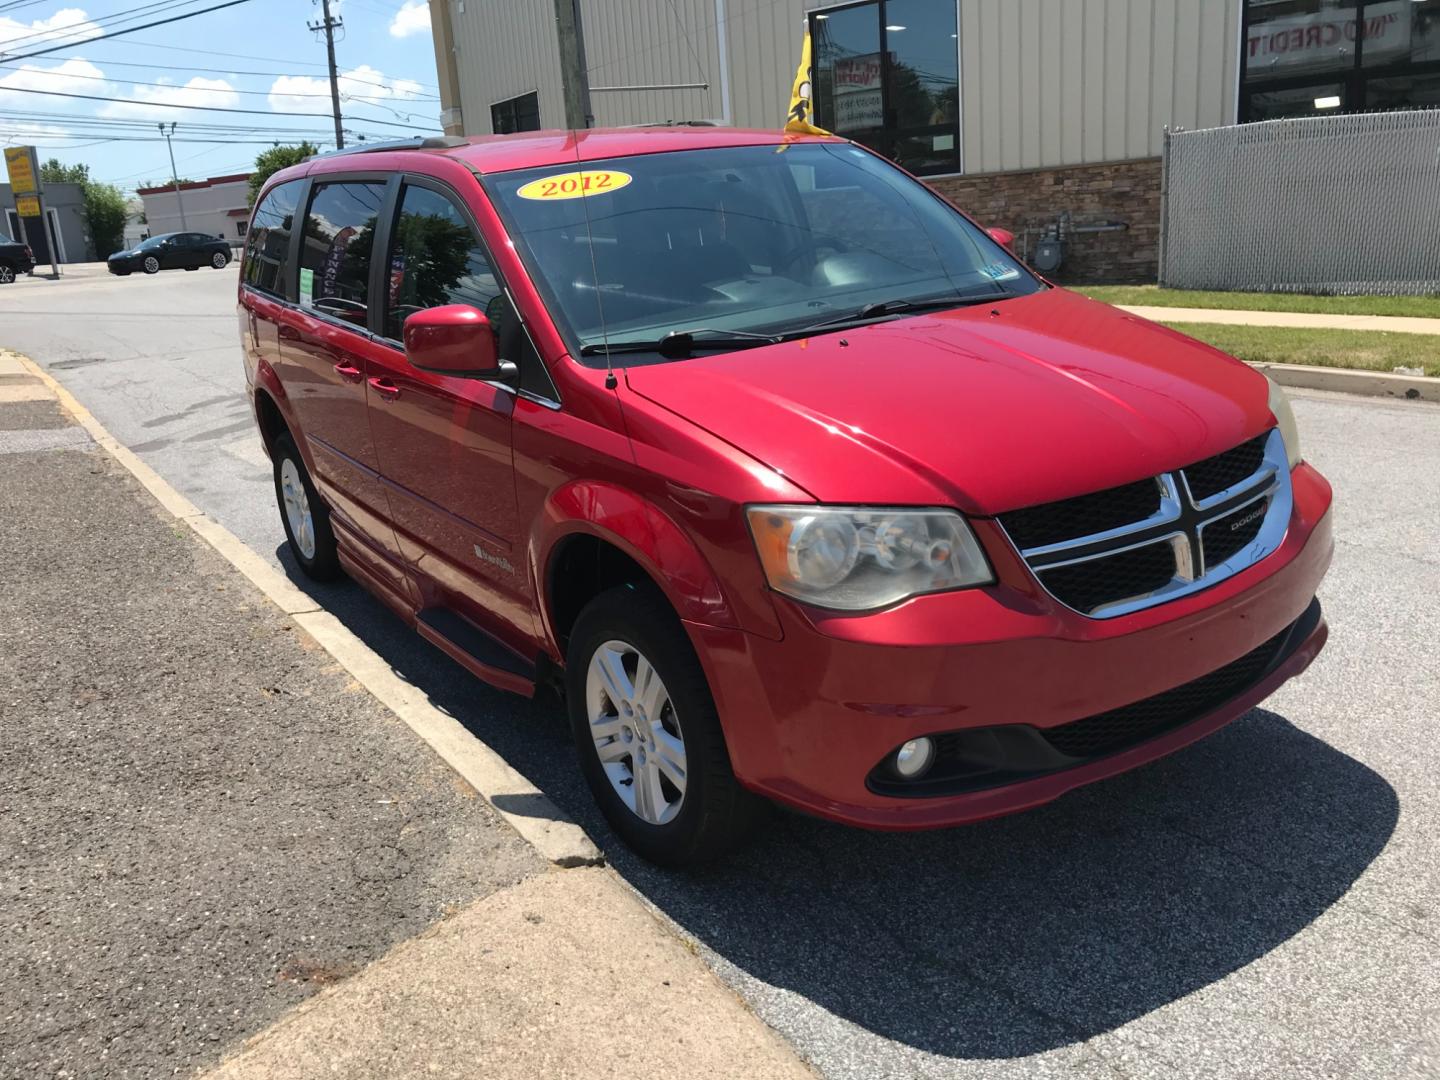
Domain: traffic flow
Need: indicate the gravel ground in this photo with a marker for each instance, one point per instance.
(1264, 904)
(203, 820)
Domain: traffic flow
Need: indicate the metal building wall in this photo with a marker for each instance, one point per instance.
(1043, 82)
(505, 48)
(1071, 82)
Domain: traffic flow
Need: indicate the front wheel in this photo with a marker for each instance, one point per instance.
(306, 518)
(7, 274)
(151, 265)
(219, 261)
(649, 738)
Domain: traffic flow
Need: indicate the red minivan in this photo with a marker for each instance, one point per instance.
(795, 480)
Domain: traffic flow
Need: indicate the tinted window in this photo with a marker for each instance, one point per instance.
(435, 260)
(517, 114)
(267, 248)
(335, 255)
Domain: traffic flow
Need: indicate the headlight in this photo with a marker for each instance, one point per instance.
(1285, 418)
(859, 558)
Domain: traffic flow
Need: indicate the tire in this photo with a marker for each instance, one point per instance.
(312, 543)
(219, 260)
(712, 813)
(7, 273)
(151, 265)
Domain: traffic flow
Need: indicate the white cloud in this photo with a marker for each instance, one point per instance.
(148, 102)
(297, 93)
(70, 24)
(19, 133)
(74, 76)
(412, 18)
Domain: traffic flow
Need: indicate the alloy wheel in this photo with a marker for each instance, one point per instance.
(636, 732)
(152, 264)
(7, 275)
(297, 508)
(218, 261)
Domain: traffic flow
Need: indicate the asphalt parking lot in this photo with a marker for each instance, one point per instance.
(1266, 903)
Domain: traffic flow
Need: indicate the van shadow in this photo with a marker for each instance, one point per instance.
(1001, 939)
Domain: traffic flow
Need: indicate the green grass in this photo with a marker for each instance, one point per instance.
(1361, 349)
(1423, 307)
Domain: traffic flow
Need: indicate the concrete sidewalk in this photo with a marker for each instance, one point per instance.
(205, 823)
(1292, 319)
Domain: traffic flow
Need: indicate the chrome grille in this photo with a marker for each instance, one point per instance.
(1131, 547)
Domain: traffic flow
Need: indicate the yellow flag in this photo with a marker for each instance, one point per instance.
(802, 105)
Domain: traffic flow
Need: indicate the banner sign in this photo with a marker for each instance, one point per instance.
(1325, 40)
(24, 172)
(859, 100)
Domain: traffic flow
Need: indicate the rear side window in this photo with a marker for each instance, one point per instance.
(267, 247)
(435, 260)
(335, 256)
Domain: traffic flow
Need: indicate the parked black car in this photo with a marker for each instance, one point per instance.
(15, 258)
(172, 251)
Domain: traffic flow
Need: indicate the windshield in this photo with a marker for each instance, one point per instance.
(758, 239)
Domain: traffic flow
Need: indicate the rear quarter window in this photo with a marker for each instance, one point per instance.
(267, 247)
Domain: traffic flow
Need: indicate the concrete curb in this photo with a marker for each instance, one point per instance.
(523, 806)
(1293, 320)
(1347, 381)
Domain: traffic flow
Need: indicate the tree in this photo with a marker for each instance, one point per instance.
(105, 209)
(273, 160)
(105, 214)
(52, 172)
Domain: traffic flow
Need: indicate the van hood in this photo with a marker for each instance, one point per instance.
(985, 408)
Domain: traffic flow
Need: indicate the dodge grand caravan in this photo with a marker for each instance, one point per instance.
(799, 485)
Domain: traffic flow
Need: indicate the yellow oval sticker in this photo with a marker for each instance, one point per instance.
(575, 185)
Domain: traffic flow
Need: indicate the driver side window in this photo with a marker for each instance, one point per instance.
(436, 260)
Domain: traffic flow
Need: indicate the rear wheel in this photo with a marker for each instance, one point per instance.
(649, 738)
(7, 274)
(151, 265)
(306, 519)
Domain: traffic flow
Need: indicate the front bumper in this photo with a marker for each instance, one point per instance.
(808, 718)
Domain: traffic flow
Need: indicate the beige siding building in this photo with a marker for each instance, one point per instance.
(1044, 116)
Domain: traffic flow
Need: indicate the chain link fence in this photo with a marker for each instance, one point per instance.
(1333, 204)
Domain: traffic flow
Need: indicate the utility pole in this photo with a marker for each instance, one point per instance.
(174, 176)
(329, 26)
(575, 80)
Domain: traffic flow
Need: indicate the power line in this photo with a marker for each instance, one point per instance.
(54, 73)
(81, 29)
(232, 71)
(132, 29)
(196, 108)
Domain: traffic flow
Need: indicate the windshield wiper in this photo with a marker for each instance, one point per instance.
(881, 309)
(680, 344)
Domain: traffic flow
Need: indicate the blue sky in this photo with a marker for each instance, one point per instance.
(257, 55)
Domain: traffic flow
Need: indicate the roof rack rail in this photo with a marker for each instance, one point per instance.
(414, 142)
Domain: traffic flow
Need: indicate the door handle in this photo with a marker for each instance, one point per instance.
(387, 390)
(349, 372)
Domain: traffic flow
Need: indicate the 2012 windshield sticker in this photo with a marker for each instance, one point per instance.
(575, 185)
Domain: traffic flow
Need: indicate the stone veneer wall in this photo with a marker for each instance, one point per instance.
(1126, 191)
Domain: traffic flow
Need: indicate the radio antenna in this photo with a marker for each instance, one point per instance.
(610, 381)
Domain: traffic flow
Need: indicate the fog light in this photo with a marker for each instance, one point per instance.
(913, 759)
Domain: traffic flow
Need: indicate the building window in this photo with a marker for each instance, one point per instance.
(517, 114)
(240, 228)
(886, 74)
(1311, 57)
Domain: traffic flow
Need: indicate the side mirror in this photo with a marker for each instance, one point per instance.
(454, 340)
(1004, 237)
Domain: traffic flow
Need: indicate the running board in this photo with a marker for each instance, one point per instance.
(475, 650)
